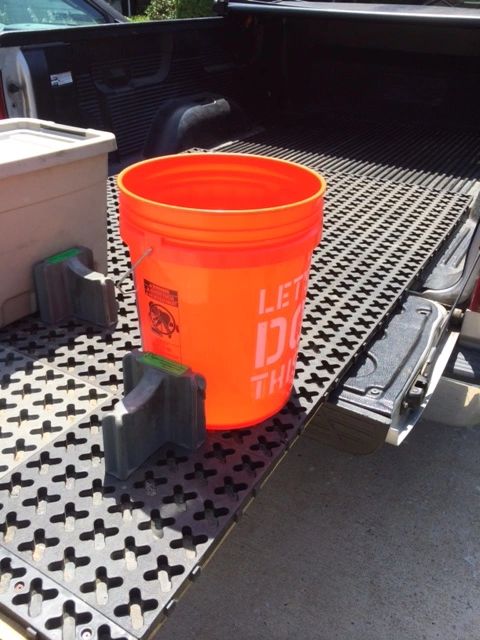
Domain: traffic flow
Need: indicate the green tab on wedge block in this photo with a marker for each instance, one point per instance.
(63, 255)
(169, 366)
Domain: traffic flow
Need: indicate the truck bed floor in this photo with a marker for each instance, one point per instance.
(431, 156)
(81, 550)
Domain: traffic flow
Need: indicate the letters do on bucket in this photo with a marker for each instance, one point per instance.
(280, 312)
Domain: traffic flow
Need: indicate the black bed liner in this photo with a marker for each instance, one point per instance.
(429, 156)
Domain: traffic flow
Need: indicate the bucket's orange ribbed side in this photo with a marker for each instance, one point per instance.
(230, 310)
(238, 327)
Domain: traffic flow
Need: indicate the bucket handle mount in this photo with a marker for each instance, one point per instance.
(126, 275)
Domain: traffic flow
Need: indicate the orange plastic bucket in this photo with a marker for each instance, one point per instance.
(228, 239)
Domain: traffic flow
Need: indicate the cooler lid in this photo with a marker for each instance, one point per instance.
(28, 144)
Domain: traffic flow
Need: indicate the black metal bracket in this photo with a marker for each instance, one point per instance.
(67, 286)
(220, 7)
(164, 402)
(386, 387)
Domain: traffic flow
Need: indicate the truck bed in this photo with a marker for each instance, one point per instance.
(425, 155)
(83, 551)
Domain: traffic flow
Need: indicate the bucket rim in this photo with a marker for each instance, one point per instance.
(279, 161)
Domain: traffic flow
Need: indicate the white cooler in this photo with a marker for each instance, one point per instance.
(52, 197)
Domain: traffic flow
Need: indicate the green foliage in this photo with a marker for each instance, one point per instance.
(169, 9)
(194, 8)
(161, 10)
(139, 18)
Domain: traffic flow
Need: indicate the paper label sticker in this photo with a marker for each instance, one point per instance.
(60, 79)
(164, 317)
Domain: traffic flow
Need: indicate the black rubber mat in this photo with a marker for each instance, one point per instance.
(86, 556)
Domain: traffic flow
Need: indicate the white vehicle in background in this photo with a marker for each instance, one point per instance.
(16, 91)
(48, 14)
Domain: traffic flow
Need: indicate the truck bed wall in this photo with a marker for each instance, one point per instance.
(270, 64)
(122, 74)
(377, 70)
